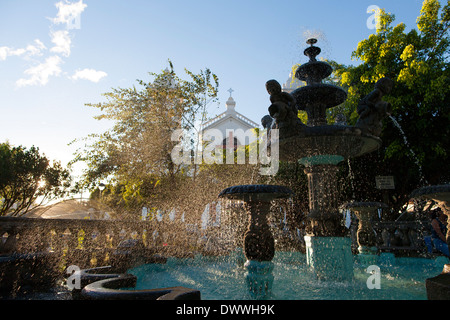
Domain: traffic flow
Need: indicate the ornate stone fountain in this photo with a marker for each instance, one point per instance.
(259, 245)
(320, 147)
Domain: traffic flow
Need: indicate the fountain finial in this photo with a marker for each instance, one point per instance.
(311, 41)
(312, 51)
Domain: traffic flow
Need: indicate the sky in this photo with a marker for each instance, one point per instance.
(56, 56)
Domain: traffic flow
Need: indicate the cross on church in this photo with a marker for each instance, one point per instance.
(230, 91)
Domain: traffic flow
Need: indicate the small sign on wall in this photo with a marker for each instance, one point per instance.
(385, 182)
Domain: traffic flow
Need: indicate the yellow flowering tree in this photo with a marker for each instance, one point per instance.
(418, 63)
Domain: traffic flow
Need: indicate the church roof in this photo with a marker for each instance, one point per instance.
(230, 113)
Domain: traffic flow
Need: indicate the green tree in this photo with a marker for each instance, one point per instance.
(27, 179)
(418, 62)
(135, 154)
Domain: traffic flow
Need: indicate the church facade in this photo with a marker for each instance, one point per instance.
(236, 129)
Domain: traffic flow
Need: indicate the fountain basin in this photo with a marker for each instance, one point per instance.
(223, 278)
(316, 70)
(436, 192)
(364, 205)
(122, 288)
(337, 142)
(323, 94)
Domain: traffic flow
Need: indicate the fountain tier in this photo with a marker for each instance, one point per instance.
(316, 97)
(320, 148)
(327, 144)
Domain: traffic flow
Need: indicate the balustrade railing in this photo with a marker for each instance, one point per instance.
(84, 243)
(92, 242)
(407, 237)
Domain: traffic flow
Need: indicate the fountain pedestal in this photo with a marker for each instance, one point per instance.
(328, 251)
(365, 236)
(324, 217)
(259, 244)
(330, 258)
(259, 248)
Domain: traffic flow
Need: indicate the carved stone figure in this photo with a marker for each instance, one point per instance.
(372, 109)
(267, 122)
(283, 108)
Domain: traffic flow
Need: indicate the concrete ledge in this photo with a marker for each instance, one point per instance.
(438, 288)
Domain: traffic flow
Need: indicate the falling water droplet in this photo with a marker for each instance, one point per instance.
(423, 181)
(352, 177)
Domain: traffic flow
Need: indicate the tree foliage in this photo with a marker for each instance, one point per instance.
(134, 156)
(418, 62)
(27, 179)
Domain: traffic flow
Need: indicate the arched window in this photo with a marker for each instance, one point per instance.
(225, 143)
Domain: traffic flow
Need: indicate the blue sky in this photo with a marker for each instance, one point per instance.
(51, 63)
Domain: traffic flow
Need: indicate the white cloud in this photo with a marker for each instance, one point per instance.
(36, 49)
(6, 52)
(62, 42)
(69, 13)
(89, 74)
(31, 50)
(42, 72)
